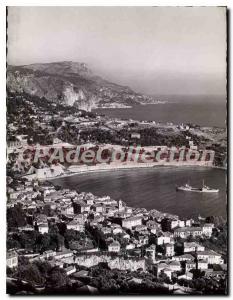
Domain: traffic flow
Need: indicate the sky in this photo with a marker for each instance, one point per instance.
(154, 50)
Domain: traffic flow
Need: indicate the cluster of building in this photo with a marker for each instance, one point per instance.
(150, 237)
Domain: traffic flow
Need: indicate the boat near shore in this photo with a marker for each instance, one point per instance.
(204, 189)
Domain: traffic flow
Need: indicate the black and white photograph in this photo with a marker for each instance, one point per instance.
(117, 150)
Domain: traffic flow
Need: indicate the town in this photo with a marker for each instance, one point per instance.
(59, 240)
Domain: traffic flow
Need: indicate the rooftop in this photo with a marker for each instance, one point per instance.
(188, 229)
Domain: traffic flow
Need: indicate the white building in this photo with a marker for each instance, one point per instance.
(131, 222)
(49, 253)
(184, 257)
(106, 230)
(98, 208)
(46, 172)
(142, 240)
(43, 228)
(135, 135)
(174, 223)
(117, 230)
(190, 265)
(188, 223)
(168, 268)
(163, 267)
(164, 238)
(188, 231)
(130, 246)
(207, 229)
(70, 270)
(211, 256)
(140, 228)
(167, 272)
(63, 254)
(202, 264)
(80, 218)
(181, 223)
(75, 226)
(89, 201)
(150, 251)
(169, 250)
(174, 266)
(186, 276)
(114, 247)
(12, 259)
(83, 208)
(192, 247)
(67, 210)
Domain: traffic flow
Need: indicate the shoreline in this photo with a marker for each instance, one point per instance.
(127, 168)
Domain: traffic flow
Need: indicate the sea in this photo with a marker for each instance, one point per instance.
(208, 113)
(155, 188)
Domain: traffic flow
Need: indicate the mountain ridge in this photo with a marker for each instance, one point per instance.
(72, 83)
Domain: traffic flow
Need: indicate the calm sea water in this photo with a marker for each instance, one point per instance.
(155, 188)
(200, 112)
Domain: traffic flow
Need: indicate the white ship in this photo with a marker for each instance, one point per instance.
(204, 189)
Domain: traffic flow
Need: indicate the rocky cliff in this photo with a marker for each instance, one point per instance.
(71, 83)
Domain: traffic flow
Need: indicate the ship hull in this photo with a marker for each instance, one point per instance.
(196, 190)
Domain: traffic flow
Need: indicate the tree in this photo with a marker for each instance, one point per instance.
(164, 278)
(47, 210)
(44, 267)
(11, 243)
(57, 278)
(43, 242)
(197, 273)
(16, 217)
(31, 274)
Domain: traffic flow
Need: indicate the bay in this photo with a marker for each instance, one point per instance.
(200, 113)
(155, 188)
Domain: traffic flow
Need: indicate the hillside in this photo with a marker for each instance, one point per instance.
(71, 83)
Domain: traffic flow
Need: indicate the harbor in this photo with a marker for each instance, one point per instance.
(156, 188)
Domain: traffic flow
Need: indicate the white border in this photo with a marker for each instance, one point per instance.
(117, 2)
(3, 147)
(3, 5)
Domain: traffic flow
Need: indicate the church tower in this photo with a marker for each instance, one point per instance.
(120, 205)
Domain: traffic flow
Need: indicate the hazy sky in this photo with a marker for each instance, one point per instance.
(154, 50)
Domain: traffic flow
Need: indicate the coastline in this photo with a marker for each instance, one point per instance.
(127, 168)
